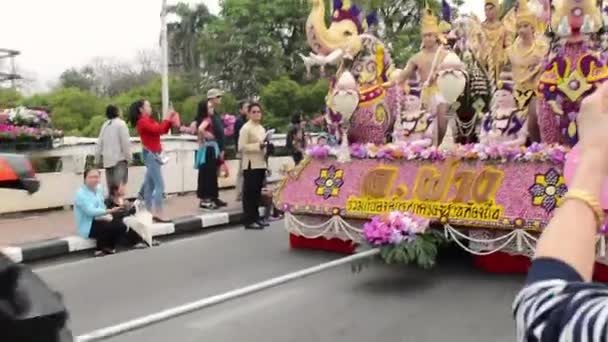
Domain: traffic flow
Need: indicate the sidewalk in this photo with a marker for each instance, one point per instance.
(33, 236)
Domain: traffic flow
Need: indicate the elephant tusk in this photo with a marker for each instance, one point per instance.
(334, 57)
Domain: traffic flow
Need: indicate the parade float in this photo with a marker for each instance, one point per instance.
(393, 175)
(26, 129)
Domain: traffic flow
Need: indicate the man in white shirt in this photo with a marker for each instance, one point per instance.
(114, 148)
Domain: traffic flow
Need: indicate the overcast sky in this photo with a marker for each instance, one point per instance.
(54, 35)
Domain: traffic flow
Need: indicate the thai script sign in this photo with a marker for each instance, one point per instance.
(475, 193)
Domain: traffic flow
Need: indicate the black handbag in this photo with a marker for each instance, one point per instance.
(29, 310)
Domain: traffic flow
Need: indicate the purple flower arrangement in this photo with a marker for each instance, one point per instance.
(401, 238)
(229, 122)
(394, 228)
(497, 152)
(23, 124)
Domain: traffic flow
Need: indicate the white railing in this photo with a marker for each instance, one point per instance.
(57, 188)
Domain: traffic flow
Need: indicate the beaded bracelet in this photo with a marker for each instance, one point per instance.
(589, 201)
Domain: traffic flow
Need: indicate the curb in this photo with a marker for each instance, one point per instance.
(62, 246)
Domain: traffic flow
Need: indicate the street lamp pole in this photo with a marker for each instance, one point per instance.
(164, 60)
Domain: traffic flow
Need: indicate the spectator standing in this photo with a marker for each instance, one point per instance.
(296, 138)
(252, 145)
(114, 148)
(207, 157)
(93, 220)
(240, 121)
(140, 115)
(214, 100)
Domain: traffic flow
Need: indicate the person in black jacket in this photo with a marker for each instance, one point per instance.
(116, 199)
(296, 138)
(214, 100)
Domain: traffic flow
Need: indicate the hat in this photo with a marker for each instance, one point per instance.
(524, 15)
(429, 23)
(495, 3)
(213, 93)
(588, 9)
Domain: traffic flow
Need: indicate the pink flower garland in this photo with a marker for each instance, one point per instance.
(403, 151)
(393, 229)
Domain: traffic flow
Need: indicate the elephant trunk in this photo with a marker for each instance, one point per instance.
(320, 39)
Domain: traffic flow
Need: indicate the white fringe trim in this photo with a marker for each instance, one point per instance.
(524, 241)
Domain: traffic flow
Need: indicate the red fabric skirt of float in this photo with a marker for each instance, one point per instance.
(499, 262)
(323, 244)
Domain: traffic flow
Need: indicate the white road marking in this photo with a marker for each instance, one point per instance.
(141, 322)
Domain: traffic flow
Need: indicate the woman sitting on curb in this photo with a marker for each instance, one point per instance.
(93, 220)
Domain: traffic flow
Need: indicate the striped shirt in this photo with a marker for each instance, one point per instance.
(557, 305)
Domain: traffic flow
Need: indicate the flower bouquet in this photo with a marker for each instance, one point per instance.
(402, 239)
(25, 129)
(229, 122)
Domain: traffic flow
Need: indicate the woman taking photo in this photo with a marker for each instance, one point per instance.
(149, 132)
(206, 157)
(93, 220)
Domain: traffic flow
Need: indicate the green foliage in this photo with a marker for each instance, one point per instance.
(421, 252)
(9, 98)
(83, 79)
(255, 42)
(284, 97)
(71, 109)
(94, 126)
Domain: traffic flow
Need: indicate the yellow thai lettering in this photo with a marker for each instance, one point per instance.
(459, 211)
(433, 184)
(486, 185)
(378, 182)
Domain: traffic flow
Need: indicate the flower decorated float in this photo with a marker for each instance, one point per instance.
(493, 197)
(23, 129)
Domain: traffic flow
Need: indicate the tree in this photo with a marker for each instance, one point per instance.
(184, 34)
(83, 79)
(284, 97)
(255, 42)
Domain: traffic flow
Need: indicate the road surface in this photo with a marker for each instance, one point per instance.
(453, 302)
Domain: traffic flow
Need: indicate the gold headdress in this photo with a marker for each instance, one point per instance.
(429, 23)
(444, 26)
(524, 15)
(589, 8)
(495, 3)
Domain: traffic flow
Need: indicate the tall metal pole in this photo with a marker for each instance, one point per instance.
(164, 60)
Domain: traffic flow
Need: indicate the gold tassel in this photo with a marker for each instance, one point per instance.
(379, 62)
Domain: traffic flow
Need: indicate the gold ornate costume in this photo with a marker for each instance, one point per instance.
(497, 38)
(430, 24)
(526, 61)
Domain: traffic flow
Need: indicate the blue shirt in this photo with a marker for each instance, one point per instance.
(87, 206)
